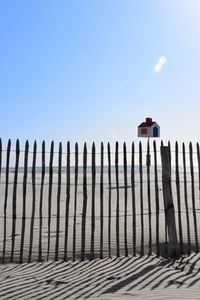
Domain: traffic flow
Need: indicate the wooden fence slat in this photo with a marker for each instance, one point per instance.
(67, 202)
(109, 201)
(75, 201)
(14, 198)
(6, 197)
(125, 199)
(41, 203)
(178, 199)
(193, 197)
(198, 159)
(93, 202)
(0, 156)
(117, 203)
(170, 156)
(101, 201)
(141, 198)
(24, 201)
(186, 199)
(58, 202)
(50, 196)
(33, 201)
(156, 199)
(84, 210)
(133, 197)
(149, 199)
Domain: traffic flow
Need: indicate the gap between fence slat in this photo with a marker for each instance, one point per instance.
(14, 199)
(58, 203)
(141, 198)
(50, 196)
(6, 198)
(33, 201)
(24, 201)
(193, 197)
(186, 200)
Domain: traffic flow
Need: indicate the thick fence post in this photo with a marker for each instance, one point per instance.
(168, 201)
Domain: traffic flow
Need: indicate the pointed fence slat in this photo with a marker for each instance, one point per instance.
(41, 203)
(125, 200)
(84, 210)
(156, 199)
(101, 201)
(198, 160)
(178, 199)
(193, 197)
(14, 199)
(109, 201)
(50, 196)
(24, 201)
(149, 198)
(75, 201)
(133, 197)
(6, 198)
(0, 157)
(58, 202)
(67, 202)
(93, 201)
(141, 198)
(117, 200)
(186, 199)
(33, 201)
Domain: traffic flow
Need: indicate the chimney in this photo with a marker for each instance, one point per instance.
(149, 121)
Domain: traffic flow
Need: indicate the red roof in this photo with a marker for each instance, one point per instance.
(148, 123)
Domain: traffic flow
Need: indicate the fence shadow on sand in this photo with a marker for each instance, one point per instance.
(98, 278)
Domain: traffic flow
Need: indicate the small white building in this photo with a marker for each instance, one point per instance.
(149, 129)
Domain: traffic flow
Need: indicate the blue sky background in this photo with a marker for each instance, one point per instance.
(82, 70)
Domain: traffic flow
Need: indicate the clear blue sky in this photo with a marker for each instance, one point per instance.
(82, 70)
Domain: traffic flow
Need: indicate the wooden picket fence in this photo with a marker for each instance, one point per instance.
(72, 204)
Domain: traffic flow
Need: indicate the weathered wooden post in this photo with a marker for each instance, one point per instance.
(168, 201)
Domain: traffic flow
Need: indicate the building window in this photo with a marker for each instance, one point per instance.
(144, 131)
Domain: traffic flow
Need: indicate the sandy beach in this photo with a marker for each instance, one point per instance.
(121, 278)
(141, 277)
